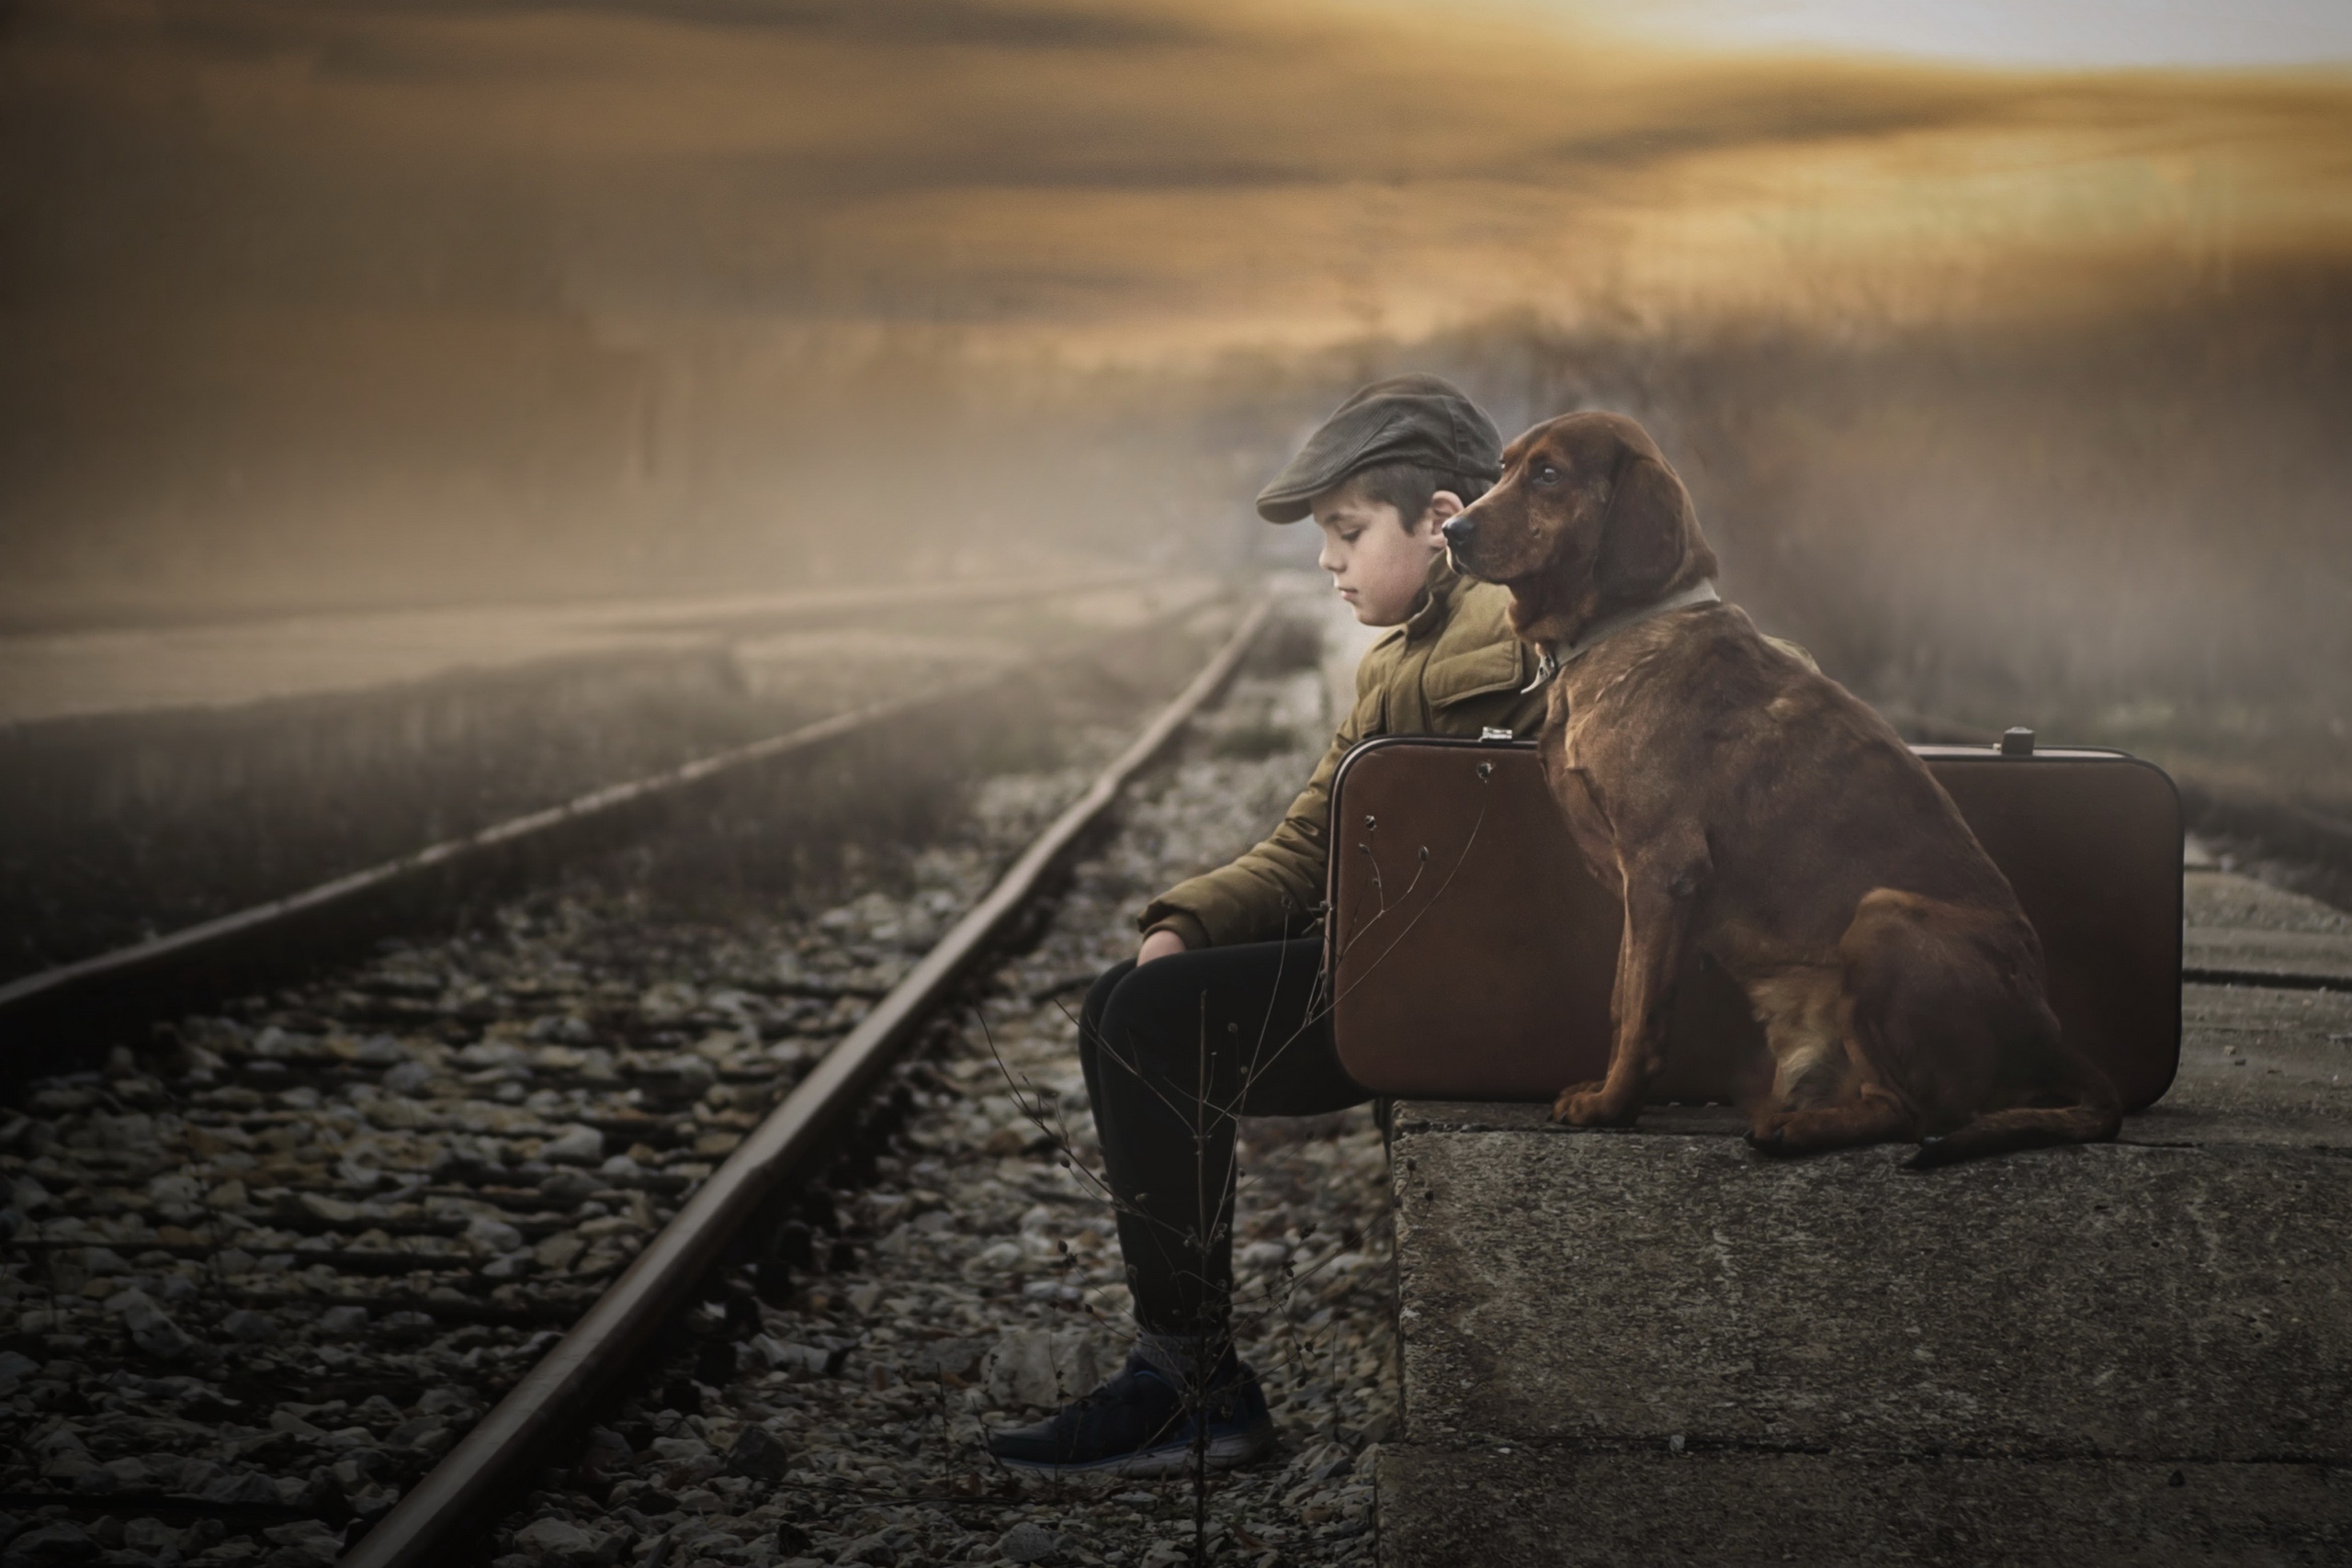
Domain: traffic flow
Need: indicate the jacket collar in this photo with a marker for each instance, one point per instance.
(1435, 605)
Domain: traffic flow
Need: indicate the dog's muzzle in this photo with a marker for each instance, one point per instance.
(1461, 536)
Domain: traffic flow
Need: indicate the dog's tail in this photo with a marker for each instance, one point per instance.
(2095, 1118)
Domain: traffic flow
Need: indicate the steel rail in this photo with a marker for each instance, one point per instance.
(428, 1524)
(34, 1000)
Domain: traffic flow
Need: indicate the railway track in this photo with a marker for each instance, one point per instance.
(267, 1289)
(809, 692)
(600, 1235)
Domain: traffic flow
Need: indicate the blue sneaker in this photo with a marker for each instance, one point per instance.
(1137, 1425)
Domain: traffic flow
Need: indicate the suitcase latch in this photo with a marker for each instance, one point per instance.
(2017, 742)
(1491, 736)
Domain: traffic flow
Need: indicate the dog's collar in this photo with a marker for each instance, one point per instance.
(1551, 658)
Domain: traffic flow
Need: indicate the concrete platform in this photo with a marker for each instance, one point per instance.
(2254, 932)
(1654, 1346)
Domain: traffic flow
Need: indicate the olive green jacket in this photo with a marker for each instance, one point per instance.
(1454, 667)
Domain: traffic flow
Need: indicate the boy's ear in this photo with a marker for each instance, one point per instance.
(1442, 507)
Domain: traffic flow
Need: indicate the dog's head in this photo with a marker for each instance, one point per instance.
(1586, 519)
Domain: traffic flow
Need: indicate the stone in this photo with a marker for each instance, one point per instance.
(684, 1461)
(496, 1235)
(406, 1079)
(175, 1188)
(248, 1487)
(248, 1325)
(1321, 1462)
(406, 1325)
(45, 1544)
(1037, 1369)
(574, 1145)
(557, 1252)
(131, 1474)
(305, 1541)
(58, 1440)
(880, 1547)
(953, 1361)
(568, 1545)
(333, 1210)
(192, 1475)
(1028, 1542)
(776, 1353)
(759, 1454)
(151, 1327)
(570, 1185)
(146, 1534)
(423, 1433)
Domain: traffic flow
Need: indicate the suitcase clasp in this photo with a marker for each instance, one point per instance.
(1490, 736)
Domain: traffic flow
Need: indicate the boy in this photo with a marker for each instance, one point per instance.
(1221, 1012)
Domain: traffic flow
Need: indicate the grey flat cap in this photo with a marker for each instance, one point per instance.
(1405, 419)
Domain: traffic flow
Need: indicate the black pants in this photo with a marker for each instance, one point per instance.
(1173, 1051)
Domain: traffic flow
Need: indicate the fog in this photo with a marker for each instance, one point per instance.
(2020, 395)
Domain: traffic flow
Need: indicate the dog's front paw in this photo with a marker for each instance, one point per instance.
(1589, 1105)
(1574, 1092)
(1931, 1153)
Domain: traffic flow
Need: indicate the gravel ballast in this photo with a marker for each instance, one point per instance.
(257, 1281)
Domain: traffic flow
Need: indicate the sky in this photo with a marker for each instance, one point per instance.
(1144, 177)
(2067, 34)
(491, 264)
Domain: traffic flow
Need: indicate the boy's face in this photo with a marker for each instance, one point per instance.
(1377, 562)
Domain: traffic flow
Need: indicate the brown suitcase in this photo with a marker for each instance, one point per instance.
(1471, 953)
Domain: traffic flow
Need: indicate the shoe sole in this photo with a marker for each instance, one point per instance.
(1219, 1453)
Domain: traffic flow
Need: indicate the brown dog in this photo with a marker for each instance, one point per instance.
(1741, 802)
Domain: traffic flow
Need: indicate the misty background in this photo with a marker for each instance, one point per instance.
(2020, 392)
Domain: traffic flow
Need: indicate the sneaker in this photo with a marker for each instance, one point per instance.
(1137, 1425)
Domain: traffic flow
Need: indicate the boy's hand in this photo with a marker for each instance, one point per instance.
(1158, 944)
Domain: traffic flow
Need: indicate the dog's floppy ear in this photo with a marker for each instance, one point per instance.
(1647, 533)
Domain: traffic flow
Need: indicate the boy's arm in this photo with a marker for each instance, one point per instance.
(1271, 892)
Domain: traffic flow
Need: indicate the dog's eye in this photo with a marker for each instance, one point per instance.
(1545, 474)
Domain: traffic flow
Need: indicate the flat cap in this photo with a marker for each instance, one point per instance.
(1405, 419)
